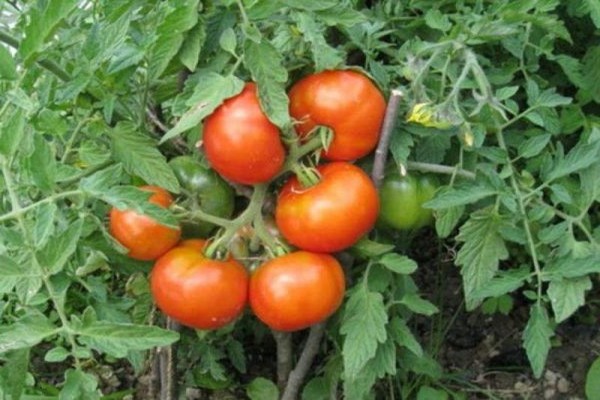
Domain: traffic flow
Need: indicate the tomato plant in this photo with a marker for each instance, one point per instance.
(345, 101)
(198, 291)
(145, 238)
(402, 198)
(240, 142)
(297, 290)
(202, 189)
(330, 215)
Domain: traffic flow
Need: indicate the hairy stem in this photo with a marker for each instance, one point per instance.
(521, 203)
(439, 169)
(285, 360)
(389, 122)
(309, 352)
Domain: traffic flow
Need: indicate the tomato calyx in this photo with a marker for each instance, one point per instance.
(307, 176)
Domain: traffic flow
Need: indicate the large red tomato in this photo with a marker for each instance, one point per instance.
(197, 291)
(331, 215)
(145, 238)
(240, 142)
(345, 101)
(297, 290)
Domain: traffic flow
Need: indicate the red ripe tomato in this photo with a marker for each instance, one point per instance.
(145, 238)
(345, 101)
(297, 290)
(331, 215)
(240, 142)
(197, 291)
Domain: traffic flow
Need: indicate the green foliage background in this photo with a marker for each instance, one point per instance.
(511, 92)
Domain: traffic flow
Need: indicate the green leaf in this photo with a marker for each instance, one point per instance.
(12, 132)
(422, 365)
(592, 381)
(192, 45)
(482, 249)
(398, 263)
(536, 338)
(317, 388)
(567, 295)
(11, 273)
(466, 193)
(139, 156)
(212, 89)
(118, 339)
(42, 23)
(228, 41)
(103, 180)
(265, 64)
(429, 393)
(15, 368)
(591, 72)
(504, 282)
(44, 223)
(104, 40)
(366, 248)
(54, 256)
(594, 11)
(418, 305)
(324, 56)
(8, 69)
(549, 98)
(404, 337)
(447, 219)
(45, 177)
(436, 20)
(580, 157)
(400, 144)
(26, 332)
(262, 389)
(56, 354)
(79, 385)
(534, 145)
(133, 198)
(341, 15)
(182, 18)
(363, 326)
(382, 364)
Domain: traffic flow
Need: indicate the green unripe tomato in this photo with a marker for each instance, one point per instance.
(203, 189)
(402, 198)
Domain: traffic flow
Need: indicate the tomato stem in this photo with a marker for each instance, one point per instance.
(387, 127)
(307, 176)
(250, 213)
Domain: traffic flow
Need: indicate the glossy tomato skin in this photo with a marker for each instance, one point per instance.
(296, 290)
(145, 238)
(331, 215)
(402, 198)
(240, 142)
(202, 188)
(345, 101)
(197, 291)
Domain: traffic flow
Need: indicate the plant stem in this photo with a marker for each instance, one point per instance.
(283, 340)
(20, 211)
(389, 122)
(310, 350)
(48, 64)
(168, 370)
(71, 141)
(243, 12)
(518, 194)
(439, 169)
(254, 208)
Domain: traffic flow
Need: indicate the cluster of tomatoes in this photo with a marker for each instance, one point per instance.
(326, 215)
